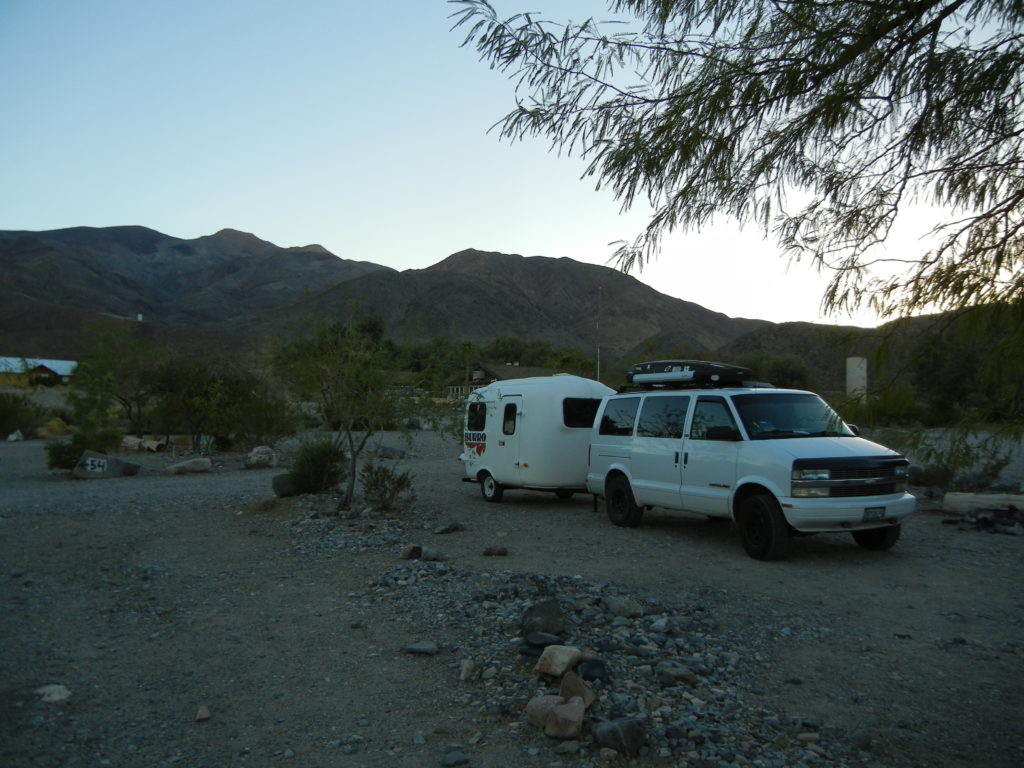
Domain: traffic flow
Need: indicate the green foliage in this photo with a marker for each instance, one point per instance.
(18, 412)
(122, 368)
(712, 108)
(64, 454)
(219, 395)
(318, 467)
(264, 416)
(891, 405)
(788, 371)
(514, 349)
(90, 401)
(436, 361)
(969, 368)
(349, 374)
(386, 488)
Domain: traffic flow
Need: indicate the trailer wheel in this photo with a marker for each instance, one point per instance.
(878, 538)
(491, 489)
(620, 504)
(763, 528)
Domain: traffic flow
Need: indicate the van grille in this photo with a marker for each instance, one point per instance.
(849, 491)
(855, 477)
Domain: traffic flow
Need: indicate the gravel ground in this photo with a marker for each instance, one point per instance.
(196, 620)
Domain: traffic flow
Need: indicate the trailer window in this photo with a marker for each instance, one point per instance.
(663, 416)
(476, 417)
(579, 412)
(619, 416)
(508, 421)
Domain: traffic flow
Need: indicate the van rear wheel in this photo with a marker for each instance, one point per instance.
(620, 504)
(763, 528)
(491, 489)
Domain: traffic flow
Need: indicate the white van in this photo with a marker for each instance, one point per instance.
(776, 461)
(531, 433)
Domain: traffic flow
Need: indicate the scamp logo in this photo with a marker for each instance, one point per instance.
(476, 441)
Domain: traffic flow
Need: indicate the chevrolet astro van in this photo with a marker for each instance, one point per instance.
(698, 437)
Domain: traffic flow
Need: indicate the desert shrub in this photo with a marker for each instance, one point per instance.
(64, 454)
(264, 419)
(385, 488)
(318, 467)
(18, 412)
(892, 405)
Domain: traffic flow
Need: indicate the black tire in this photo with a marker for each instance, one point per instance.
(620, 504)
(878, 538)
(491, 489)
(763, 528)
(564, 493)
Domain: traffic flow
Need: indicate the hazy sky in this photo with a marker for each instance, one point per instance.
(359, 126)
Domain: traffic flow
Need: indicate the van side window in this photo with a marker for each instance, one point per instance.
(663, 416)
(579, 412)
(619, 416)
(712, 420)
(476, 417)
(508, 421)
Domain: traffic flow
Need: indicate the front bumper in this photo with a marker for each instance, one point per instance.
(847, 514)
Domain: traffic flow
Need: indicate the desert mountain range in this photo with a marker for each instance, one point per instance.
(234, 288)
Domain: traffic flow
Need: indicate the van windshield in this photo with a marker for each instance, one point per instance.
(770, 416)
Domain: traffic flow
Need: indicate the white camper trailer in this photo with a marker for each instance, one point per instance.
(531, 433)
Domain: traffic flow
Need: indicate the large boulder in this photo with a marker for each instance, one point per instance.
(545, 616)
(556, 660)
(261, 457)
(283, 485)
(98, 466)
(189, 467)
(566, 719)
(626, 736)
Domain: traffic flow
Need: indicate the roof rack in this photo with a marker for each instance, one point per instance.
(687, 373)
(684, 385)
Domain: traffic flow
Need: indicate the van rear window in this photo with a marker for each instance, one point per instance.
(663, 416)
(579, 412)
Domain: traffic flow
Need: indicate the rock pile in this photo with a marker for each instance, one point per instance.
(665, 683)
(1008, 520)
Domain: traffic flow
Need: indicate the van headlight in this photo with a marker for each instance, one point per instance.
(803, 475)
(805, 483)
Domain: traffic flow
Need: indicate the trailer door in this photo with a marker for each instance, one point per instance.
(506, 459)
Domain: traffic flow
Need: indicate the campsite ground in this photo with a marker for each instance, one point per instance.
(153, 598)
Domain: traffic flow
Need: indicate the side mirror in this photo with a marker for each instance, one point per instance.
(855, 429)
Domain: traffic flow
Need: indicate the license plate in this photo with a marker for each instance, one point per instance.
(873, 513)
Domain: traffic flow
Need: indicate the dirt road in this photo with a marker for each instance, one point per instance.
(154, 598)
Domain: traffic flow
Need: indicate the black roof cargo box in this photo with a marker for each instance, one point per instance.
(697, 373)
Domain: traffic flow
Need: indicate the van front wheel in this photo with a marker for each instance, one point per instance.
(763, 528)
(620, 504)
(490, 488)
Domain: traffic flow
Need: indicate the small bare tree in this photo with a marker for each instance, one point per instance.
(348, 372)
